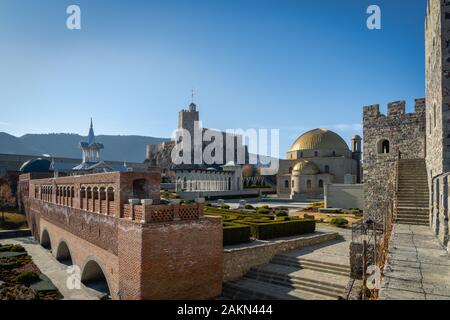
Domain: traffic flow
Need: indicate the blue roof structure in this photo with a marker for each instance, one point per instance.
(36, 165)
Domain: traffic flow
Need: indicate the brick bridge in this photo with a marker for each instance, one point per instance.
(127, 249)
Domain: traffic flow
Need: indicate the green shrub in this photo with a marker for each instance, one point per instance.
(263, 210)
(208, 205)
(265, 206)
(268, 230)
(225, 207)
(234, 233)
(27, 278)
(249, 207)
(339, 222)
(282, 213)
(6, 247)
(17, 248)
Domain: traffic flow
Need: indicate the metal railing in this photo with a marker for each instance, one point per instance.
(373, 238)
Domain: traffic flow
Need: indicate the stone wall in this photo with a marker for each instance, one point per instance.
(405, 134)
(437, 46)
(344, 196)
(239, 260)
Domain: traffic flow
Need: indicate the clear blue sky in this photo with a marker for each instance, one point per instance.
(288, 64)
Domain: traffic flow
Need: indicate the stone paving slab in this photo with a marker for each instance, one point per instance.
(418, 267)
(52, 268)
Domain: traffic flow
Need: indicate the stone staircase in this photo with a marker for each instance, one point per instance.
(307, 274)
(412, 193)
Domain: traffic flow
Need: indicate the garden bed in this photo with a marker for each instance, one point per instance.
(21, 279)
(240, 226)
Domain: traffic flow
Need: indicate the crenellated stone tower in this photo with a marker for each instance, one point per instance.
(386, 139)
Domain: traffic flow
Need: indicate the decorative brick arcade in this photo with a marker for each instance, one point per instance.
(113, 227)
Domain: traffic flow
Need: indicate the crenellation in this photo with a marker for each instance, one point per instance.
(396, 108)
(372, 111)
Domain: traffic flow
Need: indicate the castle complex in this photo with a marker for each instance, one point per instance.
(407, 156)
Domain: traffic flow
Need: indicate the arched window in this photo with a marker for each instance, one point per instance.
(301, 154)
(321, 184)
(316, 154)
(383, 147)
(290, 170)
(286, 184)
(309, 185)
(292, 184)
(334, 153)
(327, 169)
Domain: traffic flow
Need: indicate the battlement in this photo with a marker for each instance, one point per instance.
(396, 109)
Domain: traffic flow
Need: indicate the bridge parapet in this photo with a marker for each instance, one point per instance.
(162, 213)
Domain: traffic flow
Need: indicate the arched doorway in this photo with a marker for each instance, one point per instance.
(94, 278)
(45, 240)
(63, 254)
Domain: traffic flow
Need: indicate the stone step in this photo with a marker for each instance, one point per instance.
(415, 209)
(296, 284)
(418, 212)
(420, 222)
(412, 204)
(413, 217)
(312, 264)
(250, 289)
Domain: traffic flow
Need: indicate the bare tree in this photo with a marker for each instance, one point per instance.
(7, 200)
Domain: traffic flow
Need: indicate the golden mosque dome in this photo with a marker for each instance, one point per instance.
(319, 139)
(305, 167)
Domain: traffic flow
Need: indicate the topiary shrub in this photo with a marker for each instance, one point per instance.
(225, 207)
(282, 213)
(6, 247)
(234, 233)
(249, 207)
(17, 248)
(264, 230)
(263, 210)
(27, 278)
(339, 222)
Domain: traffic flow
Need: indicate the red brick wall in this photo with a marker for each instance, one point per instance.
(182, 260)
(82, 251)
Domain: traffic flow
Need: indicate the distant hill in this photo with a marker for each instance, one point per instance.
(117, 148)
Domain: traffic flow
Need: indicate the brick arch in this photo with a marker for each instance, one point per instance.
(45, 239)
(63, 253)
(94, 276)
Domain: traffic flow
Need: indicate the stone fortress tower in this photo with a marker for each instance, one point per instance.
(407, 156)
(188, 119)
(385, 139)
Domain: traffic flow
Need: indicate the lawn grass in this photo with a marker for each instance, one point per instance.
(13, 221)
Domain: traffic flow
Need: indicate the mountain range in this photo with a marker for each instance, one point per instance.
(117, 148)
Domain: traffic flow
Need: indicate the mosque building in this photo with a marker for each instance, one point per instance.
(318, 157)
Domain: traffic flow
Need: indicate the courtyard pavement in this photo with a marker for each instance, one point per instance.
(52, 268)
(418, 267)
(290, 205)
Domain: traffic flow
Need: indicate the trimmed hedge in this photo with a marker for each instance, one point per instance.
(278, 229)
(234, 233)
